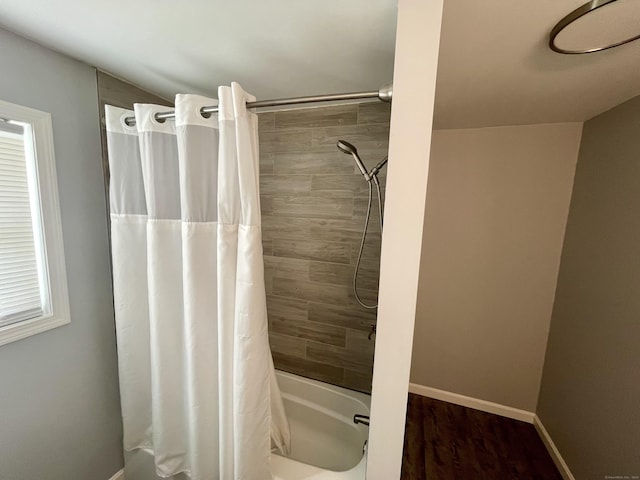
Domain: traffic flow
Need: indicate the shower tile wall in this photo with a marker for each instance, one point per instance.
(313, 204)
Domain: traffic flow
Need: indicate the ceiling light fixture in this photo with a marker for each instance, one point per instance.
(602, 28)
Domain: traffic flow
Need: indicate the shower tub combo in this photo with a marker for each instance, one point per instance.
(326, 441)
(326, 444)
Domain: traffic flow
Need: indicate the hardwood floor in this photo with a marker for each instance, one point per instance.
(444, 441)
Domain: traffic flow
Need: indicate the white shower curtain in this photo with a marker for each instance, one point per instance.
(197, 381)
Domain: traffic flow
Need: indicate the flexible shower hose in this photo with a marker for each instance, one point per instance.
(364, 237)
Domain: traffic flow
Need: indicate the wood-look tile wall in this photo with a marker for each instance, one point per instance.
(314, 201)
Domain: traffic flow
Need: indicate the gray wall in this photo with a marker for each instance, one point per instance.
(497, 205)
(313, 205)
(590, 395)
(59, 402)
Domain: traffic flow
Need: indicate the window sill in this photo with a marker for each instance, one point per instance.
(17, 331)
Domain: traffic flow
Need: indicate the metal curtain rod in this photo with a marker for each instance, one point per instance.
(384, 95)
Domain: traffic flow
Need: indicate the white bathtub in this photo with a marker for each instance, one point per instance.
(325, 443)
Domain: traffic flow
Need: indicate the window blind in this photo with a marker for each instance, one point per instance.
(20, 285)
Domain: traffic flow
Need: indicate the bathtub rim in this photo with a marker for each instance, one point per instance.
(363, 398)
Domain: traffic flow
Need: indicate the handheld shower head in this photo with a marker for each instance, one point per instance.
(348, 148)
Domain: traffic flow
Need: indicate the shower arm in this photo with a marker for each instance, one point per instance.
(375, 170)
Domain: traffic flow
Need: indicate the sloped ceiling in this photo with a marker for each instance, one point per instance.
(494, 69)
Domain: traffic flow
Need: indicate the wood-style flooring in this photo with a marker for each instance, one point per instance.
(444, 441)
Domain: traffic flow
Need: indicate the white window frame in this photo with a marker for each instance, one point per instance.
(54, 263)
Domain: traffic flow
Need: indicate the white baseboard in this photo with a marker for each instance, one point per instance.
(118, 475)
(553, 450)
(471, 402)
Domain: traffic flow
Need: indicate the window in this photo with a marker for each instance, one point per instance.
(33, 285)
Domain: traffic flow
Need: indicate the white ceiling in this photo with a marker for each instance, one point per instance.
(495, 67)
(274, 48)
